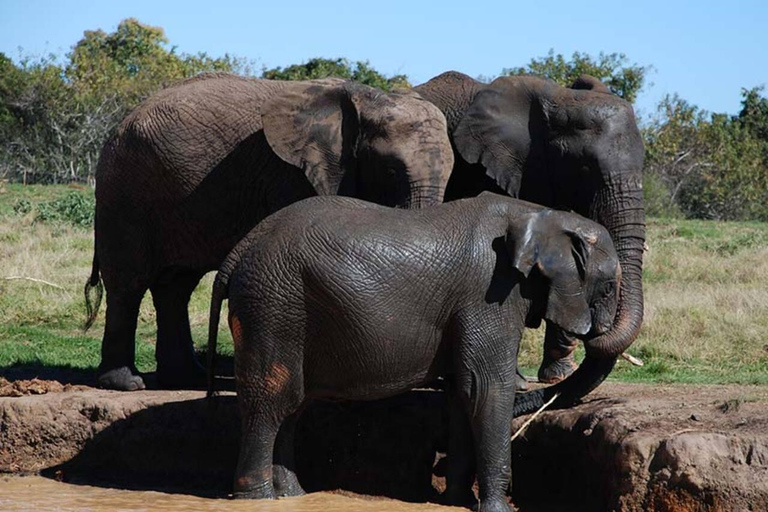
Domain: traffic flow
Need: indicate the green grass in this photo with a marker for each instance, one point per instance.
(706, 311)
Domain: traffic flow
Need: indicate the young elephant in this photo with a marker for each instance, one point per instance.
(337, 298)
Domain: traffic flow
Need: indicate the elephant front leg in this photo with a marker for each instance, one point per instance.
(558, 362)
(491, 426)
(177, 365)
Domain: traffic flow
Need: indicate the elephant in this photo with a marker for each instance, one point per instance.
(194, 167)
(338, 298)
(574, 148)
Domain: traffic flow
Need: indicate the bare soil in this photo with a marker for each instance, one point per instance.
(626, 448)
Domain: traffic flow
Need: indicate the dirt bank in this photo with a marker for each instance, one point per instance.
(627, 448)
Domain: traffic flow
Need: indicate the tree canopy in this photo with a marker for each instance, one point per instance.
(55, 115)
(360, 71)
(613, 69)
(711, 166)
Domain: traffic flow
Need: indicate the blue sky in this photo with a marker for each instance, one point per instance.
(704, 50)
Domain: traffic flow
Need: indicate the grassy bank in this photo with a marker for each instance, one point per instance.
(706, 311)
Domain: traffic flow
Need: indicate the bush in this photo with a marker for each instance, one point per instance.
(656, 197)
(76, 208)
(22, 207)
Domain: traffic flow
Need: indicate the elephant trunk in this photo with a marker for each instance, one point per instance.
(621, 212)
(426, 193)
(620, 209)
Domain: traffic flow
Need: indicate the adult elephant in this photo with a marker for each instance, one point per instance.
(196, 166)
(577, 148)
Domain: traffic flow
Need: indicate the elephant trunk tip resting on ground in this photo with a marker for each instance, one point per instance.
(576, 148)
(338, 298)
(194, 167)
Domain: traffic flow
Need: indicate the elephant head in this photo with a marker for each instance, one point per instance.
(578, 265)
(575, 148)
(354, 140)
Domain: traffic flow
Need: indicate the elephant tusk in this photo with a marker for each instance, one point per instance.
(533, 417)
(632, 359)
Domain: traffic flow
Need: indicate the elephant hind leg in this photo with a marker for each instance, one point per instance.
(460, 470)
(284, 464)
(177, 366)
(270, 393)
(117, 369)
(256, 477)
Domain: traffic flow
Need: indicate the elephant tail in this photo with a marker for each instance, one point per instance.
(94, 291)
(218, 295)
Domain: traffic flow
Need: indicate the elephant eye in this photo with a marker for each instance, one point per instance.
(609, 288)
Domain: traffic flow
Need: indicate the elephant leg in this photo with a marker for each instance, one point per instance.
(284, 465)
(460, 470)
(254, 475)
(558, 362)
(177, 366)
(491, 426)
(263, 413)
(117, 369)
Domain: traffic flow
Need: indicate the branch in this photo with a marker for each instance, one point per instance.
(533, 416)
(9, 278)
(632, 359)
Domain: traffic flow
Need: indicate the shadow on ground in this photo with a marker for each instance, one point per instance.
(68, 375)
(383, 448)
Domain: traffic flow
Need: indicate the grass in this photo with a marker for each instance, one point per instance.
(706, 299)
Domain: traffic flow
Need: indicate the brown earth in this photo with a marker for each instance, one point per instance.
(627, 448)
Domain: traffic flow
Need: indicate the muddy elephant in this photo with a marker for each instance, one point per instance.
(193, 168)
(337, 298)
(574, 148)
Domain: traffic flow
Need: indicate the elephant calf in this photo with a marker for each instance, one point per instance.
(337, 298)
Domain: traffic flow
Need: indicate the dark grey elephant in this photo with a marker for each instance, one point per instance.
(338, 298)
(575, 148)
(196, 166)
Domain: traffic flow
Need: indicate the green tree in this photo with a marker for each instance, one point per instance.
(613, 69)
(713, 166)
(135, 61)
(754, 112)
(316, 68)
(54, 117)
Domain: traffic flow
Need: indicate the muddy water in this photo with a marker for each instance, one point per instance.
(32, 493)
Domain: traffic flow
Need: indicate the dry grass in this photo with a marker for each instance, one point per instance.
(706, 311)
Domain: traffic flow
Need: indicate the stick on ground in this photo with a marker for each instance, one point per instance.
(533, 416)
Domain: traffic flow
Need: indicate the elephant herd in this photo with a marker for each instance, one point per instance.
(342, 297)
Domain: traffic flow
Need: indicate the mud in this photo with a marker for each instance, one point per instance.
(23, 494)
(627, 448)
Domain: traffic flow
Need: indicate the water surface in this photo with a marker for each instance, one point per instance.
(34, 493)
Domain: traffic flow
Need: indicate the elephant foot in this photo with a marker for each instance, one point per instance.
(259, 494)
(187, 376)
(286, 483)
(553, 371)
(493, 505)
(260, 491)
(120, 379)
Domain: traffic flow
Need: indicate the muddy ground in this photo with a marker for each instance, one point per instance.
(626, 448)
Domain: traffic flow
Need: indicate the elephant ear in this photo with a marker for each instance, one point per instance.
(559, 254)
(494, 131)
(590, 83)
(314, 126)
